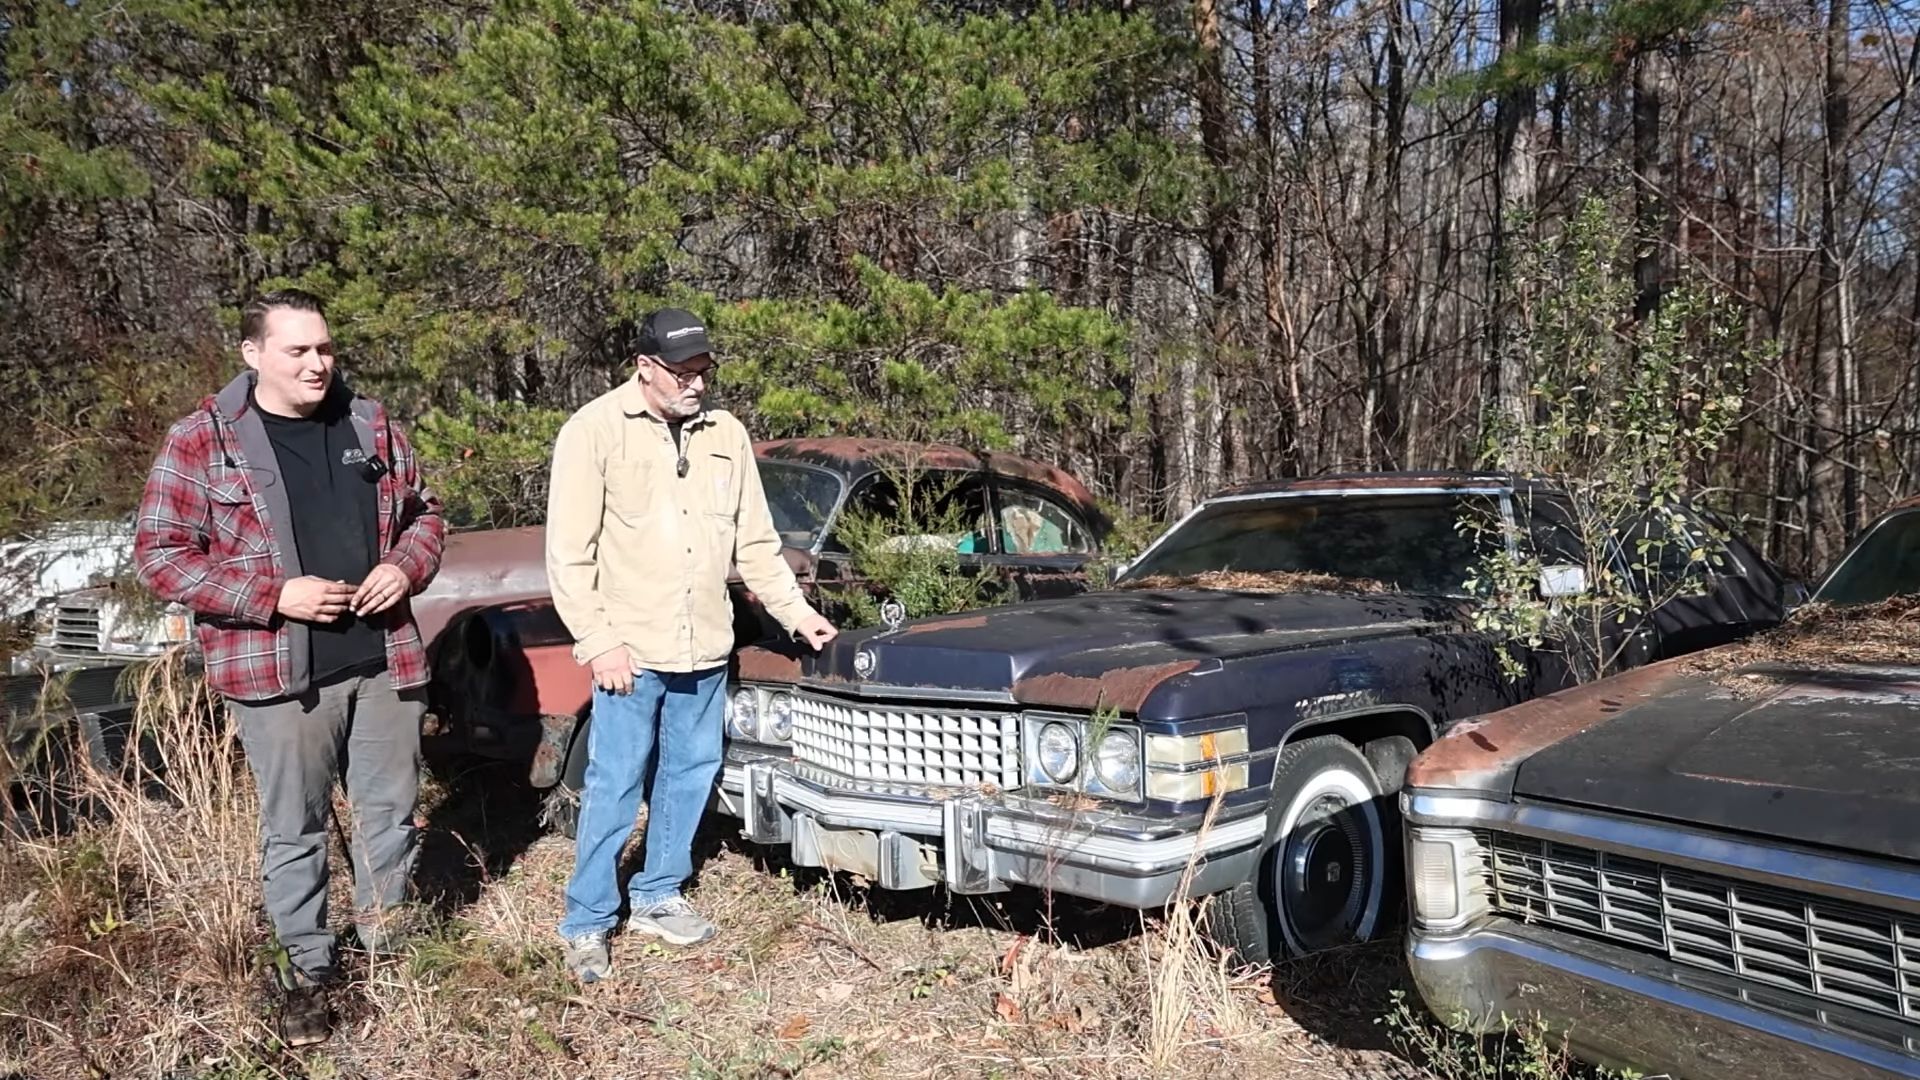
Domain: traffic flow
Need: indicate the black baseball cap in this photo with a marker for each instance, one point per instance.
(673, 335)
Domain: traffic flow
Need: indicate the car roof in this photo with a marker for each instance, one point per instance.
(858, 457)
(1443, 480)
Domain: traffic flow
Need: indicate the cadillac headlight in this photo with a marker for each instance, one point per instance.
(756, 714)
(1446, 869)
(743, 714)
(1059, 752)
(779, 717)
(1116, 762)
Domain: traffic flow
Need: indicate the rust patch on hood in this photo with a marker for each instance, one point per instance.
(1122, 688)
(1483, 754)
(969, 622)
(759, 664)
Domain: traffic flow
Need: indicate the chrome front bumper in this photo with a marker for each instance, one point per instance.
(978, 843)
(1628, 1009)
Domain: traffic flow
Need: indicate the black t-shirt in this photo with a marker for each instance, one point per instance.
(336, 517)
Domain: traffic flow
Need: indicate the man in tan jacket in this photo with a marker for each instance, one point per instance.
(654, 499)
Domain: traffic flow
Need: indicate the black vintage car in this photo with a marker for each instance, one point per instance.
(1288, 647)
(1707, 866)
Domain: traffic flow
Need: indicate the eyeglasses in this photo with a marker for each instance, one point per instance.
(685, 378)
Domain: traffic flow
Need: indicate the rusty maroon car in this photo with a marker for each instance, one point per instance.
(505, 684)
(1287, 648)
(505, 681)
(1707, 867)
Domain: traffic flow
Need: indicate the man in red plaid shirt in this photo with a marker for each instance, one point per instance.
(287, 512)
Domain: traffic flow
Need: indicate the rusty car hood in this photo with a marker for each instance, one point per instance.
(1113, 648)
(1823, 756)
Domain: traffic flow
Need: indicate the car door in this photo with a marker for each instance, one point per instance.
(1043, 545)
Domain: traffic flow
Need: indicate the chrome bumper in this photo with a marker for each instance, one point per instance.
(978, 843)
(1628, 1009)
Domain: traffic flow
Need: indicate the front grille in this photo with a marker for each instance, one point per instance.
(1758, 939)
(76, 629)
(886, 744)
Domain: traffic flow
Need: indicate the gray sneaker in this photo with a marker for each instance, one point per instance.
(588, 958)
(673, 921)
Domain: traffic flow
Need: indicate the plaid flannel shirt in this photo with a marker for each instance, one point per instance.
(204, 538)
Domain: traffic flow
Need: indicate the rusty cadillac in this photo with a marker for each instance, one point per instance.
(1708, 866)
(1286, 649)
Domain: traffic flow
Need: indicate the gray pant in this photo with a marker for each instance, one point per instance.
(298, 747)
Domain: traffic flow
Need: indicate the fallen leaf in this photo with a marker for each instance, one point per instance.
(834, 994)
(795, 1028)
(1008, 1008)
(1013, 951)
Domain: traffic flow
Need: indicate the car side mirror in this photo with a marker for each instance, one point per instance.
(1557, 582)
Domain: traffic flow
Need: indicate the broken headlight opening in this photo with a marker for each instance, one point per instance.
(46, 615)
(129, 631)
(759, 715)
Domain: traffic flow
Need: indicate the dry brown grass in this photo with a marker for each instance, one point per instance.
(1822, 635)
(131, 947)
(1278, 581)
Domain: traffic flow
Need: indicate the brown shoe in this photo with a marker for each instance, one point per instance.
(305, 1016)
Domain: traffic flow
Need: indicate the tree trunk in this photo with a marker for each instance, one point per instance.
(1281, 347)
(1222, 236)
(1652, 86)
(1516, 142)
(1833, 485)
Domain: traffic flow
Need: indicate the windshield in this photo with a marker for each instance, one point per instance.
(801, 498)
(1885, 563)
(1407, 542)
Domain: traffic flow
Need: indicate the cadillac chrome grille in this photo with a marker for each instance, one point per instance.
(886, 744)
(76, 628)
(1758, 940)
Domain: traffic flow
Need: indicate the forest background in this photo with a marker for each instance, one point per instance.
(1167, 245)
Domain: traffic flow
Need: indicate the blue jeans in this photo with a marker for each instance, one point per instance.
(680, 714)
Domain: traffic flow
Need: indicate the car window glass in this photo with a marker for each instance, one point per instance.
(1413, 543)
(1666, 546)
(800, 498)
(1032, 524)
(945, 509)
(1885, 563)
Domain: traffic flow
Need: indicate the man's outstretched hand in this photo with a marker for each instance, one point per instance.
(816, 631)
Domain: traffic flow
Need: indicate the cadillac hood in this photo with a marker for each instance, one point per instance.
(1115, 648)
(1828, 757)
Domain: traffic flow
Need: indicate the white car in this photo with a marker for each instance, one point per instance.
(64, 557)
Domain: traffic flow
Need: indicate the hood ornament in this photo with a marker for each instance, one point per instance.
(893, 614)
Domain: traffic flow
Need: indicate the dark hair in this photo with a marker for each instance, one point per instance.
(253, 317)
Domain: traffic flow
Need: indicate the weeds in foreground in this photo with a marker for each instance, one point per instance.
(1525, 1050)
(128, 947)
(1192, 984)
